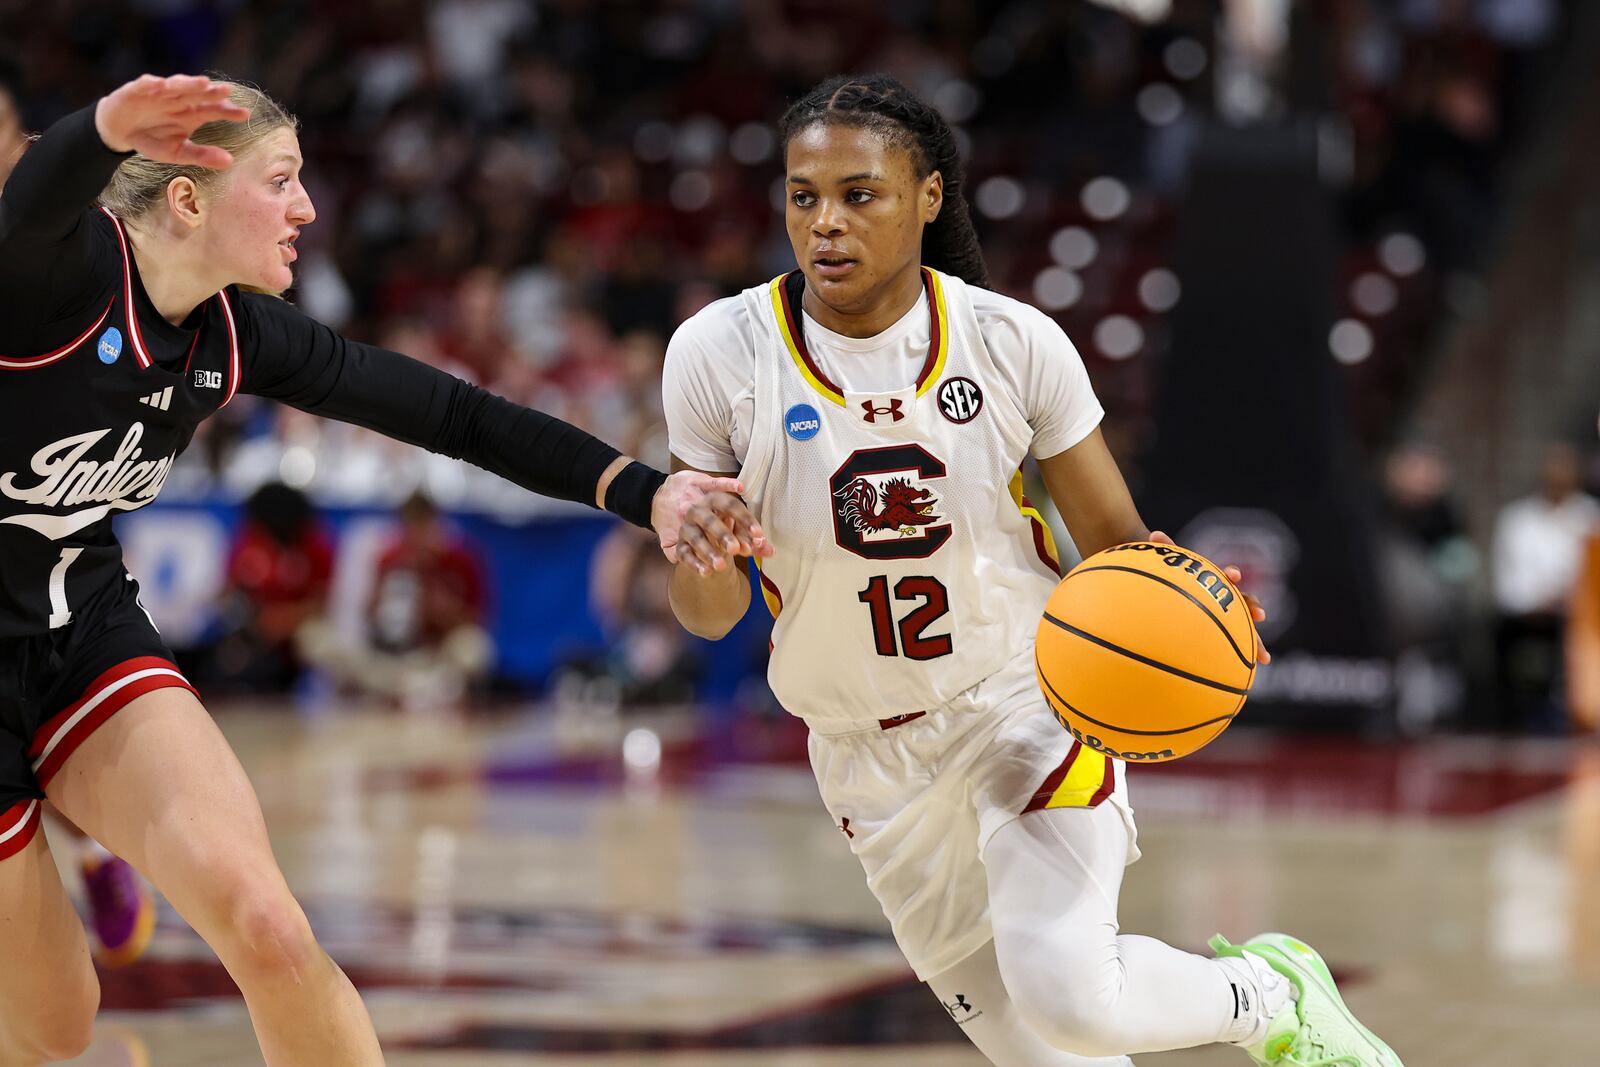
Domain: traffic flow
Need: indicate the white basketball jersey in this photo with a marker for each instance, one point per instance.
(908, 565)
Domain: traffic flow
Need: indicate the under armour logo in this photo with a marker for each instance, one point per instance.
(961, 1011)
(844, 828)
(891, 409)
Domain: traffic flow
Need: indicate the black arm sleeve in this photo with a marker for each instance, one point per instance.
(54, 182)
(291, 357)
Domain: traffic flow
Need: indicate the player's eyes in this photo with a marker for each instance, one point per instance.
(802, 199)
(860, 196)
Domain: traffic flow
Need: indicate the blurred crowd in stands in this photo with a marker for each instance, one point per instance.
(532, 193)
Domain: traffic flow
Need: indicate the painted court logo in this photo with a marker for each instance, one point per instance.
(802, 422)
(109, 345)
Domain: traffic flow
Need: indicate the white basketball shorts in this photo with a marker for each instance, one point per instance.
(918, 798)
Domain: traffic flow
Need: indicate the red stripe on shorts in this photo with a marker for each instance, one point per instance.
(108, 694)
(18, 824)
(1107, 784)
(1052, 781)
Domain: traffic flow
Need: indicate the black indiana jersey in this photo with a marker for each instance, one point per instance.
(91, 430)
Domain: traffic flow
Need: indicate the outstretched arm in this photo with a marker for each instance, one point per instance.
(291, 357)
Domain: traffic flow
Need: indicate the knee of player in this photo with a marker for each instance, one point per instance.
(63, 1032)
(1070, 1006)
(268, 937)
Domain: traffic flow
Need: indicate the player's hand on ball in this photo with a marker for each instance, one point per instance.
(702, 521)
(155, 116)
(1257, 612)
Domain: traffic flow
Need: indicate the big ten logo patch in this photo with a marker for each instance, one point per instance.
(208, 379)
(883, 506)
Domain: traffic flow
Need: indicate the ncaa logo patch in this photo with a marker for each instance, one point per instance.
(110, 345)
(802, 422)
(960, 400)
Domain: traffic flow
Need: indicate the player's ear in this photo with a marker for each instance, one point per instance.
(932, 196)
(183, 199)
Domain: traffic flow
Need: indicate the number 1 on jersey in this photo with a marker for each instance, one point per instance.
(60, 615)
(935, 604)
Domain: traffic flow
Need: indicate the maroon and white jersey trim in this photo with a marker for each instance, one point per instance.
(32, 362)
(59, 737)
(140, 353)
(18, 824)
(233, 349)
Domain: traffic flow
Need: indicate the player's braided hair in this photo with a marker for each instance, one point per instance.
(879, 103)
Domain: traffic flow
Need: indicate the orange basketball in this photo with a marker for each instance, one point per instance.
(1146, 651)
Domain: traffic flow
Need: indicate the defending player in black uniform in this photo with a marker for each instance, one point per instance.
(121, 328)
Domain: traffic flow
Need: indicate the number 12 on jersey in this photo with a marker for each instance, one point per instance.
(935, 604)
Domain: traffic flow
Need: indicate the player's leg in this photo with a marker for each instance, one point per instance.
(158, 784)
(48, 989)
(976, 998)
(1054, 879)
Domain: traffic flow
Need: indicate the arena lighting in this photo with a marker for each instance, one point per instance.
(1056, 288)
(1073, 247)
(1143, 10)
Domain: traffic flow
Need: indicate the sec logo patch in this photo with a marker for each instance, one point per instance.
(802, 422)
(960, 400)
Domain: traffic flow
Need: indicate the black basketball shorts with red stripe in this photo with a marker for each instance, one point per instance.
(57, 688)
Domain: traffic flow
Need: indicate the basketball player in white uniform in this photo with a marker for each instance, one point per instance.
(878, 403)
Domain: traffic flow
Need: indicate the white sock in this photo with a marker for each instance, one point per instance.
(1259, 994)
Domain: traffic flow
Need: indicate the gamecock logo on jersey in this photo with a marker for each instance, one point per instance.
(882, 508)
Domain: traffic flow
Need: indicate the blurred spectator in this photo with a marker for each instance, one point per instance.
(1430, 556)
(278, 572)
(1538, 548)
(649, 658)
(526, 183)
(1428, 564)
(425, 640)
(1583, 641)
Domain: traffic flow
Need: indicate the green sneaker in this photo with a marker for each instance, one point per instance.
(1315, 1029)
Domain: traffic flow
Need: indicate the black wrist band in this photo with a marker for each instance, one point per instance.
(633, 491)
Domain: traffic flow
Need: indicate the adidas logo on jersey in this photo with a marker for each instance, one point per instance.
(160, 399)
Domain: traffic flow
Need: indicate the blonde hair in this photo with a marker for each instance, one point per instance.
(139, 183)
